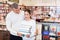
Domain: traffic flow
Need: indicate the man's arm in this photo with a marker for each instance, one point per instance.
(9, 24)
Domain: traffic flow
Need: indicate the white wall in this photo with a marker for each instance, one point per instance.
(38, 2)
(3, 0)
(58, 2)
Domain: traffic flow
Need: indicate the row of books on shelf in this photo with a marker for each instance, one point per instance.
(4, 9)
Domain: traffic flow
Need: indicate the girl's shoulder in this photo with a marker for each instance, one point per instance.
(33, 20)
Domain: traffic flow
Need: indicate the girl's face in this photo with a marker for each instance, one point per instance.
(27, 15)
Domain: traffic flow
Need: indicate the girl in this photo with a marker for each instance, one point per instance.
(28, 26)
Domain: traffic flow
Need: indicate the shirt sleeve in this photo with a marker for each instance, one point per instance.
(33, 29)
(9, 24)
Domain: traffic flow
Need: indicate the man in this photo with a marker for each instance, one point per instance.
(13, 21)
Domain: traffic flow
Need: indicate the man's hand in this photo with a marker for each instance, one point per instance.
(19, 34)
(27, 35)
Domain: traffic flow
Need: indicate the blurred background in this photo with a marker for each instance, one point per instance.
(45, 12)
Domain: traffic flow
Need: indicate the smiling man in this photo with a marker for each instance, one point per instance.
(12, 20)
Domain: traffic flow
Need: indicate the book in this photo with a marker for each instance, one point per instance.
(25, 29)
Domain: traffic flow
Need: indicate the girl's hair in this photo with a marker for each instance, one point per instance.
(27, 10)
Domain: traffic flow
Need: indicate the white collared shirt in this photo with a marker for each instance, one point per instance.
(32, 24)
(13, 20)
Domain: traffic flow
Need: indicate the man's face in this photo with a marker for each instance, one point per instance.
(16, 10)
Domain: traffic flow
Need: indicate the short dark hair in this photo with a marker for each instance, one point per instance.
(27, 10)
(15, 5)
